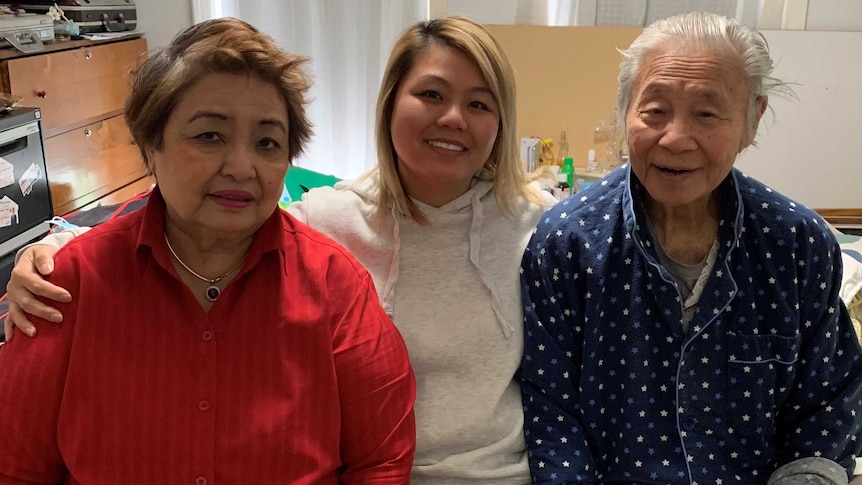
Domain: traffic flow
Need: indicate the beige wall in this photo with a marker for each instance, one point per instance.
(567, 79)
(808, 145)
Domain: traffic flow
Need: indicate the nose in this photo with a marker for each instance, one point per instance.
(452, 117)
(238, 161)
(678, 135)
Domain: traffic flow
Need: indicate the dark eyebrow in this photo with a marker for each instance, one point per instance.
(273, 122)
(220, 117)
(207, 114)
(436, 78)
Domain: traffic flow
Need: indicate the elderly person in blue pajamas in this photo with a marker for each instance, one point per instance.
(683, 323)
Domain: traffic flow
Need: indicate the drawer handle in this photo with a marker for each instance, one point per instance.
(41, 94)
(88, 133)
(88, 54)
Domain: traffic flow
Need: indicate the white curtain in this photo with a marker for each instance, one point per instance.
(348, 42)
(213, 9)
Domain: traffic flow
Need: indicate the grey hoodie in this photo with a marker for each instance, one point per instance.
(452, 289)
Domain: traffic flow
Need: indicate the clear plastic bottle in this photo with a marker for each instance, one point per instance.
(563, 148)
(592, 165)
(579, 185)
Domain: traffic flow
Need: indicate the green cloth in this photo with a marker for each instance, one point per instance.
(300, 180)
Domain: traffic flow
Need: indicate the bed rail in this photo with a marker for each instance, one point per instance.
(845, 220)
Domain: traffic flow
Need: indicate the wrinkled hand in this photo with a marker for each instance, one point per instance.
(27, 282)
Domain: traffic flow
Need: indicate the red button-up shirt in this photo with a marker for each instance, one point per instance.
(295, 375)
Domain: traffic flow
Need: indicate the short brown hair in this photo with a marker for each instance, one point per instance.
(215, 46)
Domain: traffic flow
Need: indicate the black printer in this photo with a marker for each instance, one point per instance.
(25, 194)
(92, 16)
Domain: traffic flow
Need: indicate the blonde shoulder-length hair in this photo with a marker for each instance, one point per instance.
(503, 167)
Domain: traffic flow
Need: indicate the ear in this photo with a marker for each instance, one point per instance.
(151, 166)
(760, 105)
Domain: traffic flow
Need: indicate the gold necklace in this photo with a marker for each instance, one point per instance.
(212, 292)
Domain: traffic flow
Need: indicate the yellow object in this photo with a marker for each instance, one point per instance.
(546, 153)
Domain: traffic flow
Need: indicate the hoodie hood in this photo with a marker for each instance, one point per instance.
(367, 185)
(474, 200)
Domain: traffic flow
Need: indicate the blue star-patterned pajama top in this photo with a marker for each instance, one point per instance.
(769, 371)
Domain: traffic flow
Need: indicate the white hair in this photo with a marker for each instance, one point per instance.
(715, 32)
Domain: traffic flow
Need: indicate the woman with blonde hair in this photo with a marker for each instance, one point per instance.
(441, 224)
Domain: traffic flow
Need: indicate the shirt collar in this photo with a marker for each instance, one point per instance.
(730, 211)
(152, 234)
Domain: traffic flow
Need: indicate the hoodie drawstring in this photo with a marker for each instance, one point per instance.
(392, 278)
(475, 243)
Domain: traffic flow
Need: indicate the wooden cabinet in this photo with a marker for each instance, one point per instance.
(81, 87)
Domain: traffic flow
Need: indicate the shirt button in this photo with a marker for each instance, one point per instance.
(203, 406)
(689, 423)
(207, 336)
(201, 481)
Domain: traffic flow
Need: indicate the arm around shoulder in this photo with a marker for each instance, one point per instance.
(56, 239)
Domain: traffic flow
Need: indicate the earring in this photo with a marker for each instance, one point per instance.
(490, 169)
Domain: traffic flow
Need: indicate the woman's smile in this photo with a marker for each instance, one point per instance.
(449, 147)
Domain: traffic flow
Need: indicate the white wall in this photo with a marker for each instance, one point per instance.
(810, 150)
(160, 20)
(838, 15)
(843, 15)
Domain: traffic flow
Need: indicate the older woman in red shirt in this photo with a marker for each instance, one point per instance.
(215, 339)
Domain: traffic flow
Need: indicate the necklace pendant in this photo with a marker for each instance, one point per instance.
(212, 292)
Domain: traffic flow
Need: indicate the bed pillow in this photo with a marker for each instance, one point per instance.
(851, 281)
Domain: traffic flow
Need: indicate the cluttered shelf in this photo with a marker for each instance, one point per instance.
(80, 87)
(61, 45)
(73, 63)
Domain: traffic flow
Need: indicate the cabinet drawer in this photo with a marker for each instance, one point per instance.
(87, 163)
(77, 85)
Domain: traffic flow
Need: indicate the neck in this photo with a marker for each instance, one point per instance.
(434, 194)
(208, 258)
(686, 233)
